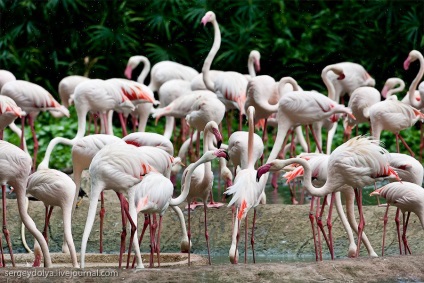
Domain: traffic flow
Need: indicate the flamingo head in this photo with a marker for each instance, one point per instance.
(221, 153)
(256, 57)
(385, 90)
(128, 72)
(263, 170)
(413, 55)
(208, 17)
(339, 108)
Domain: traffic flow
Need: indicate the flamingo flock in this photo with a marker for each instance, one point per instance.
(142, 168)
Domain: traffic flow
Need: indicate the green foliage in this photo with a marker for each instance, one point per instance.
(44, 41)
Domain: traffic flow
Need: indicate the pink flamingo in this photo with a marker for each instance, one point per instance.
(16, 166)
(67, 87)
(230, 87)
(360, 102)
(246, 193)
(100, 96)
(409, 170)
(32, 98)
(117, 167)
(356, 163)
(9, 111)
(54, 188)
(408, 197)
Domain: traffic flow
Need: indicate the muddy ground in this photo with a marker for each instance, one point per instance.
(282, 233)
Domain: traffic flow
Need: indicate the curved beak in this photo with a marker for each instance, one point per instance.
(262, 170)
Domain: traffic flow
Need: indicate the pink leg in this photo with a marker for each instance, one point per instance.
(188, 231)
(315, 139)
(102, 217)
(404, 239)
(397, 221)
(207, 234)
(133, 226)
(397, 143)
(317, 213)
(123, 124)
(34, 138)
(407, 147)
(321, 226)
(146, 223)
(252, 239)
(330, 225)
(312, 219)
(124, 229)
(292, 189)
(49, 211)
(152, 245)
(237, 238)
(2, 262)
(274, 180)
(361, 225)
(385, 219)
(5, 230)
(158, 239)
(245, 240)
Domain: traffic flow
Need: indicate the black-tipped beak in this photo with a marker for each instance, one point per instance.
(262, 170)
(219, 143)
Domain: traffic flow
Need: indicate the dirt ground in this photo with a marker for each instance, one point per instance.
(283, 243)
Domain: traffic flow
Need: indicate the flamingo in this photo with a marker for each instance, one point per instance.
(15, 167)
(355, 76)
(384, 113)
(360, 102)
(202, 177)
(150, 139)
(54, 188)
(6, 76)
(100, 96)
(246, 193)
(117, 167)
(253, 66)
(32, 98)
(357, 163)
(83, 152)
(230, 87)
(263, 93)
(406, 196)
(161, 72)
(413, 56)
(9, 111)
(203, 110)
(319, 167)
(409, 170)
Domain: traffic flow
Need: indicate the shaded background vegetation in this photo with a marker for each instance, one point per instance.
(44, 41)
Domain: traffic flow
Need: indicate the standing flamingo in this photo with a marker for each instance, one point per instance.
(412, 57)
(230, 87)
(394, 116)
(356, 163)
(246, 194)
(355, 76)
(406, 196)
(100, 96)
(54, 188)
(15, 167)
(360, 102)
(32, 98)
(117, 167)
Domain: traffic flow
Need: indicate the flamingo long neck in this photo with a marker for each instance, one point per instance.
(208, 61)
(307, 179)
(287, 80)
(250, 160)
(330, 87)
(207, 140)
(414, 84)
(396, 89)
(190, 169)
(283, 128)
(251, 67)
(145, 71)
